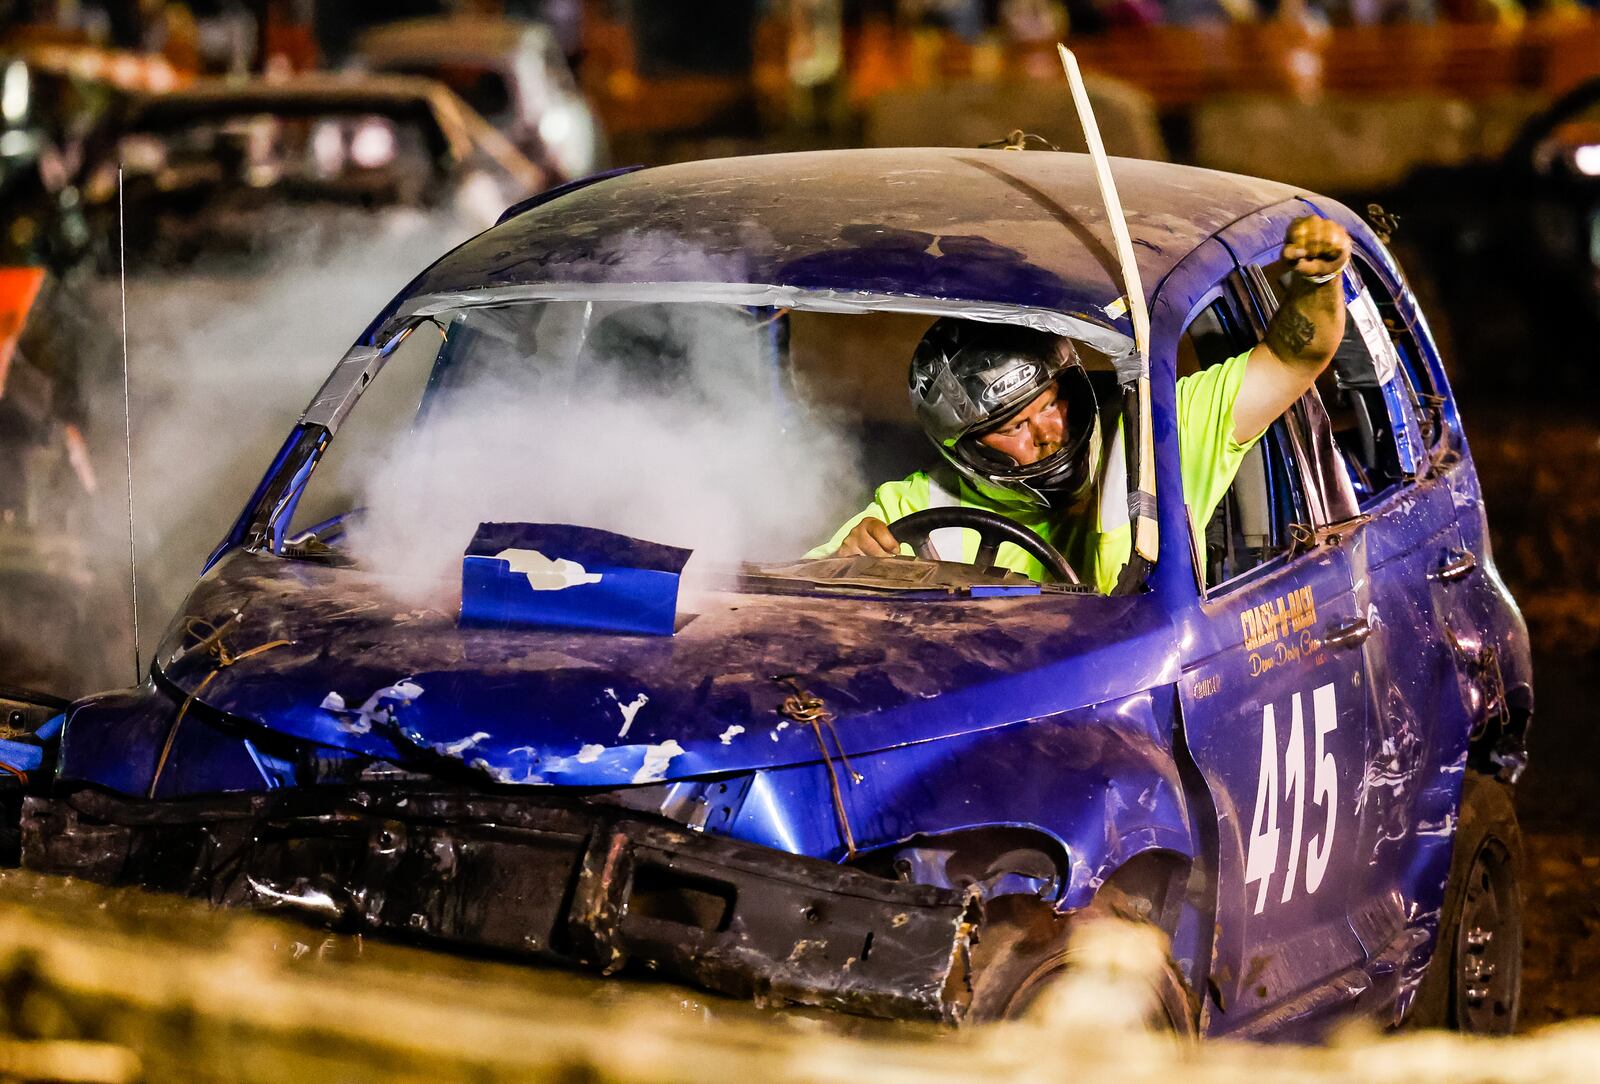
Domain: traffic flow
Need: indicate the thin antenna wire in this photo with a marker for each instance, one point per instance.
(127, 427)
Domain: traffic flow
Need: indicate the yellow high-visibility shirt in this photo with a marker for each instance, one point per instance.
(1094, 535)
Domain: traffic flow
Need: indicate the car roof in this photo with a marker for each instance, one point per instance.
(412, 97)
(449, 122)
(375, 92)
(1025, 229)
(452, 38)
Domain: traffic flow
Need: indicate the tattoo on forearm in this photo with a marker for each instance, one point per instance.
(1291, 330)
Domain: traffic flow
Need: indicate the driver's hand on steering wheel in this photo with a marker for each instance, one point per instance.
(871, 538)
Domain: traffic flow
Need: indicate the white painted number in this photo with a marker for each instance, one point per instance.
(1294, 778)
(1326, 786)
(1261, 860)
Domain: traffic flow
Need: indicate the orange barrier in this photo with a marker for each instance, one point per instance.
(147, 72)
(631, 103)
(19, 286)
(1172, 64)
(1569, 56)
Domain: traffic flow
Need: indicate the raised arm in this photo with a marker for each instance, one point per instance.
(1304, 332)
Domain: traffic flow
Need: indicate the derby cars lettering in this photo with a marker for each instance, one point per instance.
(1278, 631)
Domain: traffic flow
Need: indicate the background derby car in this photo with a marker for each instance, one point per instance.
(885, 785)
(1515, 236)
(510, 71)
(224, 164)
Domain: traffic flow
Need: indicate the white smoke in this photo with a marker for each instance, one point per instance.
(680, 434)
(222, 359)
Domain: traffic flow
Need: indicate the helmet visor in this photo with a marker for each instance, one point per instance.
(1046, 425)
(1071, 414)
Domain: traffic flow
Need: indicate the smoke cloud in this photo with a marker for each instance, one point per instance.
(663, 422)
(222, 359)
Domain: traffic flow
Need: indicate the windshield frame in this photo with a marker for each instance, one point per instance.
(264, 523)
(362, 362)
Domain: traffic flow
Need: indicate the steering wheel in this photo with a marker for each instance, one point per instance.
(992, 528)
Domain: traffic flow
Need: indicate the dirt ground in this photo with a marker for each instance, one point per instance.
(1544, 513)
(1563, 928)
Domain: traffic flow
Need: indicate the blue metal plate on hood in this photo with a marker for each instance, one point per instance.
(554, 575)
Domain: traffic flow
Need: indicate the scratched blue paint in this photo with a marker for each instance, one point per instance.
(24, 757)
(540, 198)
(1104, 728)
(1032, 227)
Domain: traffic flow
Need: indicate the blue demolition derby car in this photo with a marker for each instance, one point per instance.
(513, 646)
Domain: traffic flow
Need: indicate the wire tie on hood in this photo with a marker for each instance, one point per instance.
(803, 707)
(211, 638)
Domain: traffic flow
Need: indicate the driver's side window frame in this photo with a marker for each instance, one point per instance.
(1320, 488)
(1330, 498)
(1230, 303)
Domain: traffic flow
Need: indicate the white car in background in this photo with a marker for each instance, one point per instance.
(229, 164)
(512, 71)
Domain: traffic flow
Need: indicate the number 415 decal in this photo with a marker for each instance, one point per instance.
(1261, 861)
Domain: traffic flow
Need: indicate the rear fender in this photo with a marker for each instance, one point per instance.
(1499, 671)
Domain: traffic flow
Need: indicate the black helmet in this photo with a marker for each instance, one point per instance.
(969, 378)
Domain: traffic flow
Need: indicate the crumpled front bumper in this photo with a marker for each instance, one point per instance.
(560, 879)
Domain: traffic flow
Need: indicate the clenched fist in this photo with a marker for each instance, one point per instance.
(1318, 248)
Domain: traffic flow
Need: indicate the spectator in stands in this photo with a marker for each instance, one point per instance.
(1033, 22)
(965, 18)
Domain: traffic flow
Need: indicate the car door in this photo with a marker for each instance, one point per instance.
(1412, 573)
(1275, 705)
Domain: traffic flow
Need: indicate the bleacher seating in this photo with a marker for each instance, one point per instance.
(1179, 66)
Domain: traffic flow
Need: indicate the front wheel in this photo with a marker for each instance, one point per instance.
(1474, 981)
(1025, 946)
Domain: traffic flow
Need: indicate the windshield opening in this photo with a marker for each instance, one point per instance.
(747, 433)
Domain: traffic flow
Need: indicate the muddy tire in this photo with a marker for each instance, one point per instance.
(1474, 981)
(1024, 946)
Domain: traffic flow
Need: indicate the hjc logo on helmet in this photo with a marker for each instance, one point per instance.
(1010, 382)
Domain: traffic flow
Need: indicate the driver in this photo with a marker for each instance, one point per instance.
(1014, 417)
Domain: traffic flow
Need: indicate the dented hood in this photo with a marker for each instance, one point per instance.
(358, 671)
